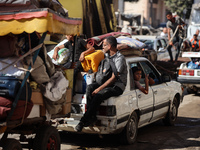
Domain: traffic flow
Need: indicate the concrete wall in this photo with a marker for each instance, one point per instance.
(159, 11)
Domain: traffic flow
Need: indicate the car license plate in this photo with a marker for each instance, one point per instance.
(187, 74)
(198, 73)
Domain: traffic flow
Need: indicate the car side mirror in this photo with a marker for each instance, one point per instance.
(166, 77)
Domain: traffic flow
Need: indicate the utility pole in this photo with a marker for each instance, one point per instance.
(141, 20)
(151, 11)
(121, 10)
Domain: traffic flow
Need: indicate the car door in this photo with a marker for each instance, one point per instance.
(145, 101)
(164, 46)
(160, 91)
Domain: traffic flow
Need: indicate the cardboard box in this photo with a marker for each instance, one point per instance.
(66, 109)
(42, 111)
(35, 112)
(69, 95)
(37, 98)
(69, 74)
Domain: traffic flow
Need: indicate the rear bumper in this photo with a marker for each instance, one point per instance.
(189, 81)
(103, 126)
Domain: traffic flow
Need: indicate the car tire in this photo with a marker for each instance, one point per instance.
(12, 144)
(129, 133)
(171, 116)
(47, 137)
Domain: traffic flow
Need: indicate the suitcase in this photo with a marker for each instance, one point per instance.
(9, 87)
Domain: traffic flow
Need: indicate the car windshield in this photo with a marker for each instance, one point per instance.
(196, 16)
(149, 43)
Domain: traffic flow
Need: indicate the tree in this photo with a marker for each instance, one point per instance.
(180, 7)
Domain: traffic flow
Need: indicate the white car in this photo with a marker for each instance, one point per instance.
(156, 43)
(189, 72)
(133, 109)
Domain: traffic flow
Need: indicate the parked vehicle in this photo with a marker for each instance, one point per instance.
(156, 43)
(133, 109)
(189, 72)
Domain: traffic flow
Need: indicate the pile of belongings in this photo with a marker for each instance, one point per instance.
(16, 57)
(97, 40)
(194, 64)
(129, 46)
(20, 5)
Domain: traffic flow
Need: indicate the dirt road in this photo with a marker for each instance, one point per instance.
(185, 135)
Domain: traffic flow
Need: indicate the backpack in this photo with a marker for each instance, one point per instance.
(104, 71)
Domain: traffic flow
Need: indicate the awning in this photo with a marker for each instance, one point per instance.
(39, 20)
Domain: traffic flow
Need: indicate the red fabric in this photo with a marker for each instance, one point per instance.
(98, 39)
(20, 108)
(24, 15)
(5, 107)
(5, 102)
(67, 21)
(3, 112)
(38, 14)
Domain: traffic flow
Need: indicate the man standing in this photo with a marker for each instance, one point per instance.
(113, 86)
(172, 24)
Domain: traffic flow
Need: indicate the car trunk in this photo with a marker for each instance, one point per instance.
(190, 71)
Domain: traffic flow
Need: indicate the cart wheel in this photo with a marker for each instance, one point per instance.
(12, 144)
(47, 138)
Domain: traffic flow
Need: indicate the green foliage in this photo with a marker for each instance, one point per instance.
(178, 6)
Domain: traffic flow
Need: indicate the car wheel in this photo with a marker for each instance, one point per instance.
(12, 144)
(47, 137)
(129, 133)
(172, 113)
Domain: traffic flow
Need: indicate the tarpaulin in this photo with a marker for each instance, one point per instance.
(39, 20)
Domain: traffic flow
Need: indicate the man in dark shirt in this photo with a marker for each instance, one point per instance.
(81, 49)
(172, 24)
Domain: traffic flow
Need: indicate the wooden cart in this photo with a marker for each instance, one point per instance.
(43, 21)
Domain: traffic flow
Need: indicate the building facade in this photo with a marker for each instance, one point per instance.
(153, 11)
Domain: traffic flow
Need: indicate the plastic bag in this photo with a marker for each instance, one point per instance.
(63, 54)
(192, 65)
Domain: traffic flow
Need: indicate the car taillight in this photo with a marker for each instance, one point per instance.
(186, 72)
(106, 111)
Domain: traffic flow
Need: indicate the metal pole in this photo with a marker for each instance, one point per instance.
(141, 20)
(151, 11)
